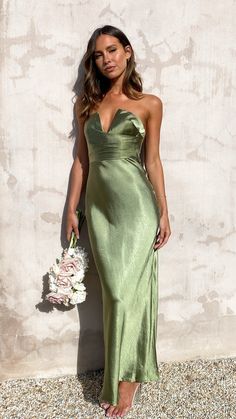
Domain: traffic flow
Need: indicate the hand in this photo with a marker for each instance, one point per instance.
(72, 224)
(164, 232)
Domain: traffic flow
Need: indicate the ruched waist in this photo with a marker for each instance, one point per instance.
(101, 155)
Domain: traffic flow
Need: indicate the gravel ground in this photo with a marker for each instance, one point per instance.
(203, 389)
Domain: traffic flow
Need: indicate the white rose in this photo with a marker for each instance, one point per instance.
(78, 297)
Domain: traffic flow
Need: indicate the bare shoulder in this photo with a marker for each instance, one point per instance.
(153, 103)
(154, 111)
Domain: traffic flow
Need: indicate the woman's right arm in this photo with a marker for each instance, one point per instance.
(78, 176)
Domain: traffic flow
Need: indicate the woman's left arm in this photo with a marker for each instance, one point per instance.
(154, 166)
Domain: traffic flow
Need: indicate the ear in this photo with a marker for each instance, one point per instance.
(128, 51)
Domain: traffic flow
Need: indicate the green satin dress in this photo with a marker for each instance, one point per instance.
(123, 219)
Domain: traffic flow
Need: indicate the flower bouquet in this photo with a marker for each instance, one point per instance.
(66, 275)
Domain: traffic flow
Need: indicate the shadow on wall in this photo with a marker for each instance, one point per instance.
(90, 356)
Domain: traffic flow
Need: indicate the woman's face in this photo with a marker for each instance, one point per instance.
(110, 56)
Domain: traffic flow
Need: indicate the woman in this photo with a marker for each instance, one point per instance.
(125, 208)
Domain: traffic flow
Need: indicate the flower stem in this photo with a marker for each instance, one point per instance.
(73, 240)
(81, 218)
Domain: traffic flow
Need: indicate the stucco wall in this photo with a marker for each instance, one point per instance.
(185, 51)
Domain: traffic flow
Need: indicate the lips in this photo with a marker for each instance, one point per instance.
(110, 68)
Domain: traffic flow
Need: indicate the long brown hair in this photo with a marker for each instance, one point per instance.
(95, 85)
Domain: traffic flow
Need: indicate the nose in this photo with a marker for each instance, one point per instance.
(106, 58)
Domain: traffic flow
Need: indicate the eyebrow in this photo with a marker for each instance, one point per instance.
(112, 45)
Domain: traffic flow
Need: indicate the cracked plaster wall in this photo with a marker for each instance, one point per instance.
(185, 51)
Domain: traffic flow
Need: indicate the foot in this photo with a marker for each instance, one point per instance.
(126, 395)
(104, 405)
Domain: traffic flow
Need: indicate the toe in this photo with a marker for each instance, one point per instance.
(116, 412)
(110, 411)
(104, 405)
(125, 411)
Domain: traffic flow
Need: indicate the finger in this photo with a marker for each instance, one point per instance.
(163, 242)
(156, 244)
(76, 230)
(160, 238)
(157, 237)
(68, 235)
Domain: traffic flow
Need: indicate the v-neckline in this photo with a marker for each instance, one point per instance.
(112, 121)
(114, 118)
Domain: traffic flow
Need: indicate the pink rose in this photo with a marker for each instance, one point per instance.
(68, 266)
(64, 281)
(55, 298)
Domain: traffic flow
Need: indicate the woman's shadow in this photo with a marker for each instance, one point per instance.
(90, 355)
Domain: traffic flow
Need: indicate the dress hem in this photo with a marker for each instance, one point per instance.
(114, 402)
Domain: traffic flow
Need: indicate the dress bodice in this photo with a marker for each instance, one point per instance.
(123, 139)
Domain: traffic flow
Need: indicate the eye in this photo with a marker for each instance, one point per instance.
(99, 55)
(96, 56)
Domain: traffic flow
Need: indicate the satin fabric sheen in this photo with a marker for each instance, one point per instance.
(122, 219)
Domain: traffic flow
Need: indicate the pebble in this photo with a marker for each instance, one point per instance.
(198, 389)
